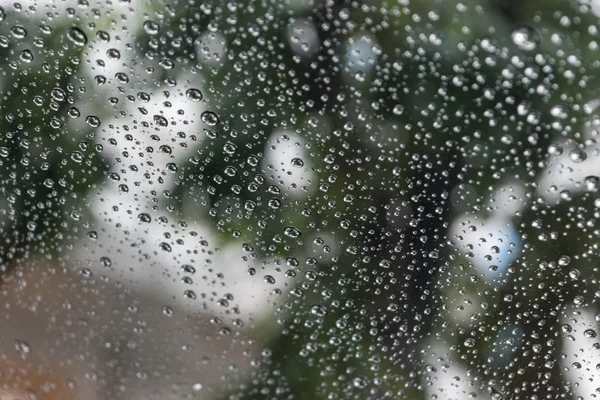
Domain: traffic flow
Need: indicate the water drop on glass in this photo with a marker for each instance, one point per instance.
(77, 36)
(526, 38)
(151, 27)
(194, 94)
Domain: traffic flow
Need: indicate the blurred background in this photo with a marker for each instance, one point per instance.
(299, 199)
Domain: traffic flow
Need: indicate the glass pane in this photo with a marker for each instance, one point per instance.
(299, 199)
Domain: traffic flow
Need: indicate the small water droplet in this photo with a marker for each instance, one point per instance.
(167, 311)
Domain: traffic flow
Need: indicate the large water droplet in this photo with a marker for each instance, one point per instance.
(194, 94)
(151, 27)
(77, 36)
(526, 38)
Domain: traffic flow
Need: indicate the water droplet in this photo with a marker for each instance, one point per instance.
(22, 348)
(164, 246)
(74, 112)
(122, 78)
(77, 156)
(297, 162)
(18, 31)
(560, 111)
(574, 274)
(105, 262)
(77, 36)
(103, 36)
(144, 217)
(589, 333)
(209, 118)
(563, 261)
(318, 310)
(194, 94)
(93, 121)
(292, 232)
(26, 56)
(151, 27)
(577, 155)
(188, 269)
(360, 382)
(189, 294)
(161, 121)
(229, 148)
(526, 38)
(592, 183)
(398, 109)
(113, 54)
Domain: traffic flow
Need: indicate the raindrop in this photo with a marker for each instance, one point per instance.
(105, 262)
(93, 121)
(113, 54)
(193, 94)
(167, 311)
(360, 382)
(589, 333)
(18, 31)
(144, 217)
(77, 36)
(189, 294)
(77, 156)
(26, 56)
(151, 27)
(318, 310)
(292, 232)
(526, 38)
(577, 155)
(297, 162)
(103, 36)
(209, 118)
